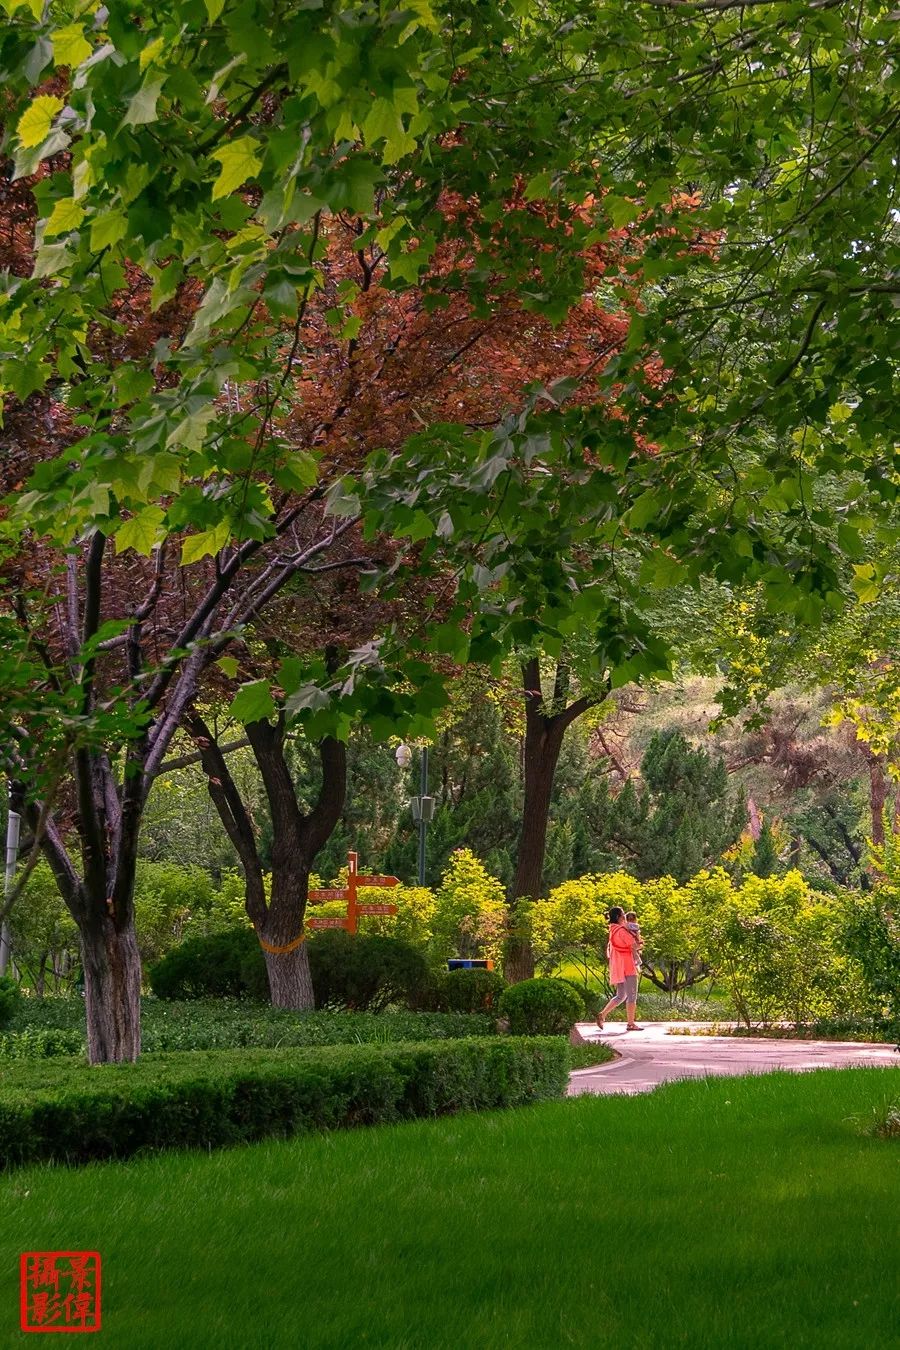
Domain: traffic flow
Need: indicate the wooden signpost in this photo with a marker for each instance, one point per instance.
(349, 893)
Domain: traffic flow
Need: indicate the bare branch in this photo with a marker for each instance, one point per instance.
(184, 761)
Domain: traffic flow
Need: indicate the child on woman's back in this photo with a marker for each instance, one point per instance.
(634, 927)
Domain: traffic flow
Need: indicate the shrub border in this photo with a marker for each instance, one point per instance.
(236, 1097)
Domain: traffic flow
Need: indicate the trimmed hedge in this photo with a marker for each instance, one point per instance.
(72, 1114)
(217, 965)
(366, 972)
(469, 991)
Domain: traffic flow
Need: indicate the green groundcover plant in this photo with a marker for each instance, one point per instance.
(50, 1027)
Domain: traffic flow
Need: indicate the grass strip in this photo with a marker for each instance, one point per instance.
(752, 1213)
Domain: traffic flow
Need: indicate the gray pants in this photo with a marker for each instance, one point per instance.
(626, 991)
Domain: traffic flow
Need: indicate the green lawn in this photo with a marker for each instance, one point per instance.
(730, 1213)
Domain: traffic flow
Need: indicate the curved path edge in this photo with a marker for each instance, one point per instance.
(653, 1056)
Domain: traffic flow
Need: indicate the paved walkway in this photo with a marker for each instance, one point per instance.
(652, 1056)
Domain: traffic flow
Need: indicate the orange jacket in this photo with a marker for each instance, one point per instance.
(620, 950)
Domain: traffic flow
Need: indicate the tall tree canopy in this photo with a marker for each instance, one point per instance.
(186, 172)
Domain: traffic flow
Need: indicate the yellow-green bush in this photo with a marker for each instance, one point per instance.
(773, 941)
(465, 916)
(572, 921)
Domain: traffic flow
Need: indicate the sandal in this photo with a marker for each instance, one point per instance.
(633, 1026)
(600, 1023)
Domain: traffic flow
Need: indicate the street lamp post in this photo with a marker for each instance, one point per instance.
(423, 805)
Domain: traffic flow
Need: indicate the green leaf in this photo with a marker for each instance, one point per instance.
(420, 527)
(24, 377)
(252, 702)
(309, 697)
(621, 212)
(107, 230)
(69, 46)
(865, 583)
(35, 123)
(49, 260)
(67, 215)
(538, 186)
(228, 665)
(239, 161)
(298, 472)
(190, 431)
(151, 52)
(141, 532)
(214, 9)
(384, 123)
(142, 108)
(647, 507)
(206, 544)
(352, 186)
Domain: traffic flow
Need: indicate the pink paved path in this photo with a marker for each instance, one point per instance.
(652, 1056)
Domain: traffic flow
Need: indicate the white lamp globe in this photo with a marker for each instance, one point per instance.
(403, 755)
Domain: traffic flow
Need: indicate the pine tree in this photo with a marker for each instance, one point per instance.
(765, 853)
(681, 819)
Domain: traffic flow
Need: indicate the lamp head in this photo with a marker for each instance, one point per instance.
(403, 755)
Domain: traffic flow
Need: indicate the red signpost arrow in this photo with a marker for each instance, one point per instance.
(349, 893)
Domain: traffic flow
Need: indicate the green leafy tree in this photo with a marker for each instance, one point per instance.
(44, 938)
(206, 154)
(202, 156)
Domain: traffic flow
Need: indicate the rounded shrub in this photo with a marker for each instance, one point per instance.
(365, 972)
(221, 965)
(469, 991)
(541, 1007)
(592, 1000)
(10, 994)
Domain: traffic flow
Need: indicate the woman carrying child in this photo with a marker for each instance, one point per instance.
(622, 949)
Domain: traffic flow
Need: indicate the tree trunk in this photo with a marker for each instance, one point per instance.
(878, 790)
(296, 839)
(543, 742)
(290, 982)
(112, 990)
(544, 732)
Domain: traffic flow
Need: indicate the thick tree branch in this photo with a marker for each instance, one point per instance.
(327, 811)
(232, 813)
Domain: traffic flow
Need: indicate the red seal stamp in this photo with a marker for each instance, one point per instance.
(59, 1291)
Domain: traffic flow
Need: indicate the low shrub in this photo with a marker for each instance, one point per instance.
(541, 1007)
(365, 972)
(216, 966)
(469, 991)
(10, 994)
(587, 1056)
(41, 1044)
(73, 1114)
